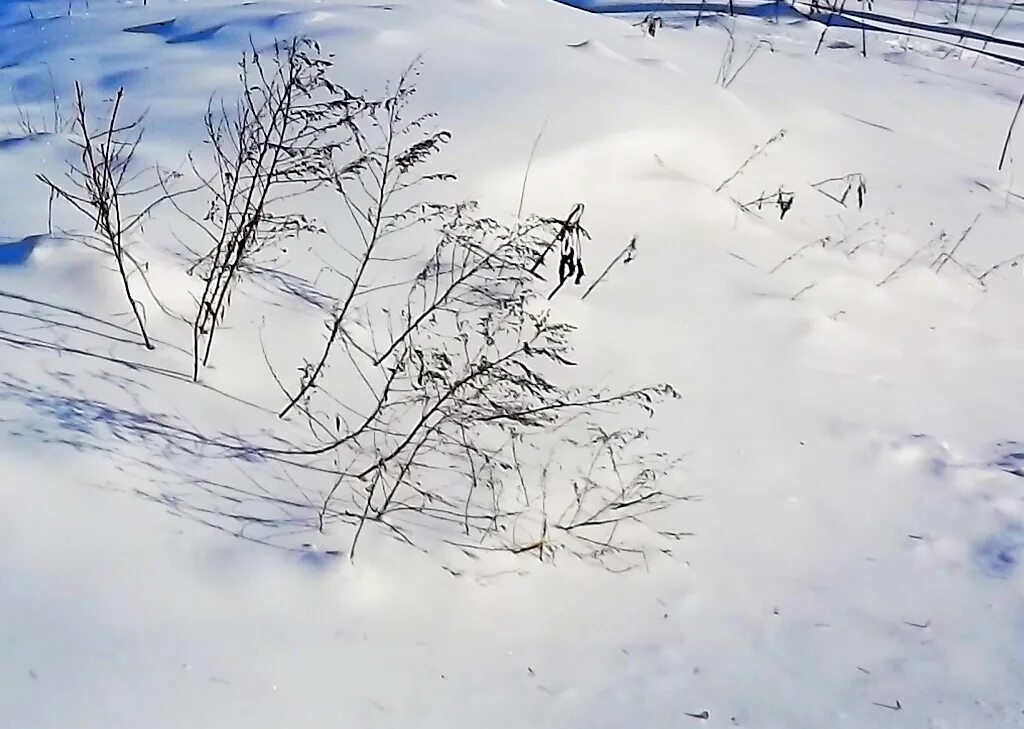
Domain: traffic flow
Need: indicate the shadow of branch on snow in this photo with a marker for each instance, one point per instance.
(867, 20)
(86, 424)
(218, 480)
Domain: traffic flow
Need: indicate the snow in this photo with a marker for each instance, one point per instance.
(851, 457)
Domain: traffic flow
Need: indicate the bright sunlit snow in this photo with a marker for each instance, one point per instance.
(846, 544)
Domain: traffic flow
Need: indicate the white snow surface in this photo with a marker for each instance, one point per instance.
(857, 548)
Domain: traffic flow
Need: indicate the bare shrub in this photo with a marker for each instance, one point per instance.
(466, 381)
(103, 186)
(729, 68)
(44, 121)
(441, 402)
(274, 144)
(390, 152)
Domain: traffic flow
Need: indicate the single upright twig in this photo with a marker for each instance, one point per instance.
(529, 165)
(913, 18)
(828, 24)
(1009, 132)
(757, 152)
(991, 34)
(864, 6)
(629, 252)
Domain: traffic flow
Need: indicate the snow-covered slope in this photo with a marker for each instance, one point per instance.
(849, 422)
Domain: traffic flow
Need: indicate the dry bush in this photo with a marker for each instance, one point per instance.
(276, 143)
(442, 402)
(103, 186)
(461, 378)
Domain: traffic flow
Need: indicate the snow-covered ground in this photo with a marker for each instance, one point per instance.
(849, 419)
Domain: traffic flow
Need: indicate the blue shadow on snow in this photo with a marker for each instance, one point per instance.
(86, 424)
(999, 555)
(1011, 459)
(18, 253)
